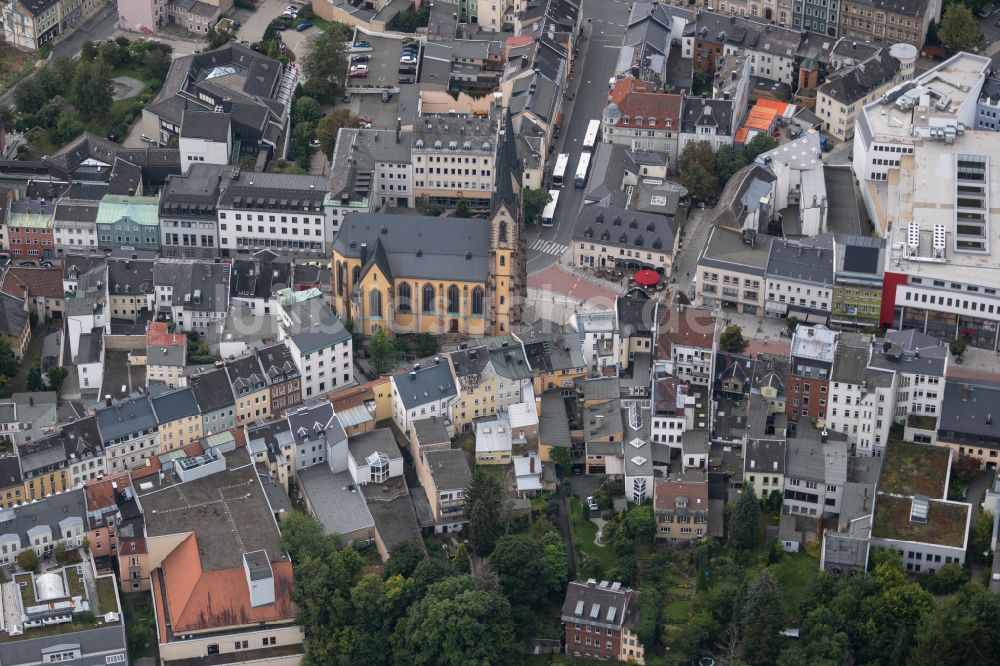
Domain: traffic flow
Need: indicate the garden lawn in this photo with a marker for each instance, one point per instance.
(584, 532)
(14, 65)
(796, 573)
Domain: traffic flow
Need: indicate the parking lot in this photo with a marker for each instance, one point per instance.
(383, 63)
(256, 22)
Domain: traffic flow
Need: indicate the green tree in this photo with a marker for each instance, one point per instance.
(325, 67)
(462, 209)
(743, 527)
(425, 344)
(521, 572)
(35, 382)
(959, 630)
(958, 29)
(384, 352)
(93, 91)
(68, 128)
(728, 160)
(484, 499)
(561, 457)
(329, 126)
(791, 324)
(700, 182)
(456, 624)
(946, 580)
(88, 51)
(8, 362)
(760, 144)
(761, 621)
(461, 562)
(60, 553)
(57, 376)
(305, 110)
(732, 340)
(534, 202)
(28, 559)
(640, 524)
(697, 152)
(957, 347)
(216, 38)
(982, 536)
(403, 560)
(425, 206)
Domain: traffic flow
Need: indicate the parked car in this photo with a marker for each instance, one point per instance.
(407, 69)
(360, 72)
(408, 60)
(361, 57)
(592, 503)
(302, 27)
(386, 96)
(407, 79)
(362, 44)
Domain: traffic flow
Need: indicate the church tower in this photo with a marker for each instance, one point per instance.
(508, 281)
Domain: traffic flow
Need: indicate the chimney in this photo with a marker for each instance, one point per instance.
(824, 435)
(107, 399)
(965, 393)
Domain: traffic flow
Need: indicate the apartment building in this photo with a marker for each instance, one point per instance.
(921, 364)
(600, 337)
(884, 22)
(129, 431)
(799, 279)
(772, 49)
(250, 389)
(166, 356)
(815, 472)
(639, 118)
(192, 293)
(862, 397)
(128, 223)
(319, 344)
(967, 422)
(444, 476)
(381, 173)
(685, 343)
(812, 354)
(680, 509)
(601, 620)
(453, 158)
(846, 92)
(857, 280)
(710, 120)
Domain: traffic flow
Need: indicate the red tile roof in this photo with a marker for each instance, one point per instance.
(686, 326)
(199, 600)
(45, 282)
(159, 335)
(636, 99)
(102, 493)
(665, 494)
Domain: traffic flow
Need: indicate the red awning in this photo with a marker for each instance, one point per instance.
(647, 278)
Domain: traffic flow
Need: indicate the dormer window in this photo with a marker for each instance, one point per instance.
(638, 120)
(652, 121)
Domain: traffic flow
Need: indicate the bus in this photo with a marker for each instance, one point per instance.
(590, 138)
(581, 170)
(559, 173)
(550, 208)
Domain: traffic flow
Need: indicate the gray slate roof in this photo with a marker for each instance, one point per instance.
(212, 390)
(862, 79)
(175, 405)
(125, 417)
(425, 385)
(420, 247)
(380, 440)
(208, 125)
(449, 468)
(808, 260)
(315, 326)
(971, 408)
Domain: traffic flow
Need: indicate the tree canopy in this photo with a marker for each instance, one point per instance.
(759, 144)
(743, 528)
(384, 352)
(534, 202)
(732, 340)
(959, 29)
(325, 67)
(484, 498)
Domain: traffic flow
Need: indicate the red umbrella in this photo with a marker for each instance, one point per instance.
(647, 278)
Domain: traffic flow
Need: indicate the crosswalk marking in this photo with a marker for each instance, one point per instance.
(547, 246)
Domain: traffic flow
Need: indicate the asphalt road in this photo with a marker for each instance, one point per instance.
(604, 27)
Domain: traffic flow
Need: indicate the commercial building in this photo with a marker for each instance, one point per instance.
(731, 271)
(608, 237)
(799, 279)
(280, 212)
(857, 280)
(230, 553)
(188, 214)
(988, 107)
(128, 223)
(250, 87)
(380, 171)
